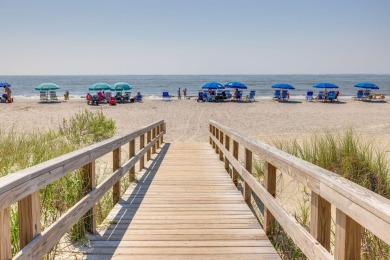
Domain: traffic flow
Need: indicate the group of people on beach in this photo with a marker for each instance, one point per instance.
(179, 93)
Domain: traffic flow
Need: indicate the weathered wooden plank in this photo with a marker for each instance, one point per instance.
(89, 183)
(29, 219)
(320, 220)
(5, 232)
(116, 163)
(270, 186)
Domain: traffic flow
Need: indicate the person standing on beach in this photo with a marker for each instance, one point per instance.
(8, 91)
(179, 94)
(185, 92)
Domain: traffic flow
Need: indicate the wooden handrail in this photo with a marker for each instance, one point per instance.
(356, 206)
(26, 183)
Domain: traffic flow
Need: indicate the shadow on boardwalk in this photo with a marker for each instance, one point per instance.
(119, 223)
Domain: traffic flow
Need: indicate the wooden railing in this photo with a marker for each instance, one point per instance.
(23, 187)
(356, 207)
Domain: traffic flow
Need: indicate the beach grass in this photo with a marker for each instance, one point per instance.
(352, 157)
(19, 151)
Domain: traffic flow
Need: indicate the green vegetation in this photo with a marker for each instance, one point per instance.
(348, 155)
(19, 151)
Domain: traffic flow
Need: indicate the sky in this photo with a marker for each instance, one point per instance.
(174, 37)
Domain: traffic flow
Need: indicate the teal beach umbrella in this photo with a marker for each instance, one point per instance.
(47, 86)
(120, 86)
(99, 87)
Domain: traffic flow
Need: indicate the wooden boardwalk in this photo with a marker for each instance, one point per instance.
(184, 207)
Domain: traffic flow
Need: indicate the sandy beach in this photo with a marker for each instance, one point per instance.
(187, 120)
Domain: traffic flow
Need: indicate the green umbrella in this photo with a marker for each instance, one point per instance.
(121, 86)
(47, 86)
(100, 86)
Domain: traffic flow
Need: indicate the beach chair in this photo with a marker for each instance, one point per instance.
(43, 96)
(251, 96)
(359, 95)
(276, 94)
(166, 96)
(309, 96)
(321, 96)
(138, 98)
(108, 96)
(118, 97)
(228, 94)
(285, 95)
(95, 99)
(332, 96)
(53, 96)
(200, 96)
(127, 96)
(366, 94)
(239, 96)
(207, 97)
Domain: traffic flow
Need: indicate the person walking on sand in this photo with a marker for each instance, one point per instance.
(179, 94)
(185, 92)
(8, 91)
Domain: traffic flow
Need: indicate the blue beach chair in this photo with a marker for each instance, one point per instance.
(228, 95)
(359, 95)
(366, 94)
(118, 97)
(138, 97)
(309, 96)
(277, 95)
(332, 96)
(321, 96)
(251, 96)
(285, 95)
(166, 96)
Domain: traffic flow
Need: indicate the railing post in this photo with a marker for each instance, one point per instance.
(5, 234)
(148, 138)
(162, 136)
(221, 141)
(248, 166)
(320, 220)
(348, 237)
(141, 146)
(235, 155)
(164, 129)
(227, 147)
(89, 183)
(216, 144)
(29, 218)
(211, 131)
(155, 144)
(270, 185)
(131, 154)
(158, 140)
(116, 162)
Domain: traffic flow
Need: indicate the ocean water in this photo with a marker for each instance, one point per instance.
(23, 86)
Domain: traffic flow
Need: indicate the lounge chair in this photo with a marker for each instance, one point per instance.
(309, 96)
(118, 97)
(95, 99)
(127, 96)
(332, 96)
(43, 96)
(359, 95)
(239, 96)
(208, 97)
(166, 96)
(251, 96)
(228, 94)
(200, 96)
(285, 95)
(366, 94)
(138, 98)
(277, 95)
(53, 96)
(321, 96)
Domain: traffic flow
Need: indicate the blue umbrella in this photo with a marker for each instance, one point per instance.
(325, 85)
(47, 86)
(236, 84)
(366, 85)
(213, 85)
(283, 86)
(99, 87)
(121, 86)
(3, 84)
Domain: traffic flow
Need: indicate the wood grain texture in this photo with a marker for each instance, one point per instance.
(5, 232)
(184, 211)
(367, 208)
(320, 220)
(17, 186)
(29, 212)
